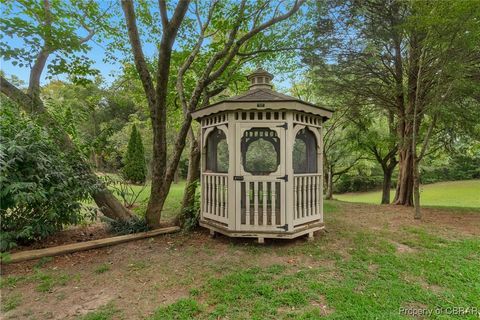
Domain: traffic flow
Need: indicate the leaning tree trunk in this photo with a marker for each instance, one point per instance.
(193, 176)
(33, 106)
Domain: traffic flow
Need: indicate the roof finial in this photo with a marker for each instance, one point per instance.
(260, 79)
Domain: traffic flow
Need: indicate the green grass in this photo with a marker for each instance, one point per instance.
(104, 313)
(102, 268)
(11, 302)
(373, 283)
(172, 205)
(444, 194)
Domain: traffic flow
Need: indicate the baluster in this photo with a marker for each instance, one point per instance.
(295, 200)
(247, 202)
(255, 202)
(226, 197)
(264, 198)
(273, 218)
(312, 196)
(319, 194)
(209, 194)
(222, 196)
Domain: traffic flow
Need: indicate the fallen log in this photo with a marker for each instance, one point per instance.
(87, 245)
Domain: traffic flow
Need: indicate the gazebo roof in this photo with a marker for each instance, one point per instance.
(261, 96)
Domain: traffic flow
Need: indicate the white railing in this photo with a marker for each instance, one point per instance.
(307, 197)
(260, 205)
(215, 196)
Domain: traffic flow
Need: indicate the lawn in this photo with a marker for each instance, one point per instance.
(447, 194)
(375, 262)
(172, 205)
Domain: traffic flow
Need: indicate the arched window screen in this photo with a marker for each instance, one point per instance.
(260, 148)
(305, 152)
(217, 152)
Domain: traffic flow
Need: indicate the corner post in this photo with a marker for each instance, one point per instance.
(232, 156)
(289, 141)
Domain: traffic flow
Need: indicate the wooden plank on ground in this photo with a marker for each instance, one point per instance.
(87, 245)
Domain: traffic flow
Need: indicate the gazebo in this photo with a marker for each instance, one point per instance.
(261, 164)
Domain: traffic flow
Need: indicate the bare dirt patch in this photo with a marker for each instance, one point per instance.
(393, 217)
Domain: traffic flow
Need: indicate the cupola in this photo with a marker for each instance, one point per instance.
(260, 79)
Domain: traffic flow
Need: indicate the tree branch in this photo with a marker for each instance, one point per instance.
(139, 58)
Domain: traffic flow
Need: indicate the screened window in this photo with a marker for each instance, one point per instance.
(305, 152)
(217, 152)
(260, 148)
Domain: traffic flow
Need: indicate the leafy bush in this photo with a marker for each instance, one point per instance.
(41, 188)
(359, 183)
(191, 215)
(459, 167)
(135, 169)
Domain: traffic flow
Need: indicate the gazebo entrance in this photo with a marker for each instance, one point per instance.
(260, 177)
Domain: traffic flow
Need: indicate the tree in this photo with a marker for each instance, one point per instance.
(135, 169)
(385, 58)
(52, 30)
(228, 28)
(42, 188)
(447, 63)
(340, 150)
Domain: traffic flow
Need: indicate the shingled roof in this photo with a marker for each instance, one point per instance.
(261, 92)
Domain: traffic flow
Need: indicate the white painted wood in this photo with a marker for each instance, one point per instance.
(287, 193)
(269, 105)
(232, 212)
(301, 198)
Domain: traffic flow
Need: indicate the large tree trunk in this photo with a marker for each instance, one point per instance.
(387, 183)
(404, 191)
(193, 176)
(410, 123)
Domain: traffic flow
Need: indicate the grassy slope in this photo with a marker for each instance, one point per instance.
(449, 194)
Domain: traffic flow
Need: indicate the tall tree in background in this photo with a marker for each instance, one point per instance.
(384, 58)
(447, 72)
(53, 30)
(135, 169)
(225, 29)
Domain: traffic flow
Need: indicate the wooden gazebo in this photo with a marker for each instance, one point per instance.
(261, 171)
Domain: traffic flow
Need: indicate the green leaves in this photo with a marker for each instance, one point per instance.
(42, 188)
(61, 30)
